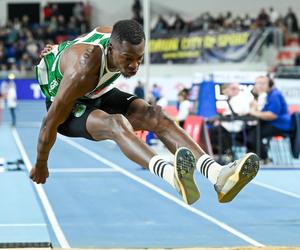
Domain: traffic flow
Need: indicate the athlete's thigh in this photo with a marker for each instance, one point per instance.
(75, 125)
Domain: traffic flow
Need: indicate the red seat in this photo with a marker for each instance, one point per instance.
(294, 108)
(193, 126)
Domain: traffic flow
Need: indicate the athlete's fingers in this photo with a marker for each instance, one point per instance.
(46, 50)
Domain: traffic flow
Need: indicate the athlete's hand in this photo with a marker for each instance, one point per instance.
(39, 173)
(46, 50)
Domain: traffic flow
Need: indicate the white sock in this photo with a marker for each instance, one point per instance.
(163, 169)
(209, 168)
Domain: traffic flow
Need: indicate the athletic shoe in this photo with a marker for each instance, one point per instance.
(185, 165)
(235, 176)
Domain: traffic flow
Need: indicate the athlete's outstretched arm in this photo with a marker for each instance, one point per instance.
(80, 77)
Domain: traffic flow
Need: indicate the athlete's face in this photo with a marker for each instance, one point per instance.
(128, 57)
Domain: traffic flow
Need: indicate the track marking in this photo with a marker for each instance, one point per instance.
(82, 170)
(43, 197)
(276, 189)
(160, 191)
(24, 225)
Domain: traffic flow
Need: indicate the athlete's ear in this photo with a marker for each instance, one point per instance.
(110, 46)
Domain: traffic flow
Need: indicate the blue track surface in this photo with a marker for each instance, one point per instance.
(97, 205)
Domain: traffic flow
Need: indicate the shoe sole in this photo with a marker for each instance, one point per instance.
(245, 172)
(185, 165)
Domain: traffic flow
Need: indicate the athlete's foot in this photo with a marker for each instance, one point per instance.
(185, 165)
(235, 176)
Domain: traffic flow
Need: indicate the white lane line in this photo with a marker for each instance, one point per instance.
(24, 225)
(43, 197)
(276, 189)
(82, 170)
(161, 192)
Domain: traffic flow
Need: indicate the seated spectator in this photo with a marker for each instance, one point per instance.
(184, 107)
(238, 104)
(274, 117)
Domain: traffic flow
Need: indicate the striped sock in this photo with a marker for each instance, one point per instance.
(163, 169)
(209, 168)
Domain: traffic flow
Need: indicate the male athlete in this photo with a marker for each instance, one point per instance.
(77, 79)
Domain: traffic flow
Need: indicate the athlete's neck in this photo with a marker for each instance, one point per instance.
(110, 65)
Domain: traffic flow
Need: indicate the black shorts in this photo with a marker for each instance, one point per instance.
(112, 102)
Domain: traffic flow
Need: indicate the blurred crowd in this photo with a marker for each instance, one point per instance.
(206, 21)
(21, 40)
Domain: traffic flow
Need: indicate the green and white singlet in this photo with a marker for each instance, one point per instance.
(48, 70)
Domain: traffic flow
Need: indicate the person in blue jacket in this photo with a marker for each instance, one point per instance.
(274, 116)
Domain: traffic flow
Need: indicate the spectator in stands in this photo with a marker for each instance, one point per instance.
(179, 24)
(237, 104)
(274, 117)
(87, 10)
(139, 90)
(78, 10)
(184, 107)
(55, 10)
(137, 7)
(273, 15)
(161, 25)
(263, 19)
(47, 12)
(61, 26)
(137, 12)
(291, 21)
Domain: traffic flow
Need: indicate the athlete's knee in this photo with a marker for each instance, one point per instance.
(119, 125)
(157, 118)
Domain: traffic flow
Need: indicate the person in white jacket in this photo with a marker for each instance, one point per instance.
(11, 98)
(184, 107)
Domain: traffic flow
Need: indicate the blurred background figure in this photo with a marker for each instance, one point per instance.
(139, 90)
(237, 104)
(274, 117)
(11, 99)
(184, 106)
(1, 107)
(155, 94)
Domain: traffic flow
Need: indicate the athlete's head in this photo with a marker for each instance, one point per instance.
(127, 43)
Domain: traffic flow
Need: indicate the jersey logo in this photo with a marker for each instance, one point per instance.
(53, 85)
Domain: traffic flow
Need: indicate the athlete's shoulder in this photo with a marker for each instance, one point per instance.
(87, 56)
(104, 29)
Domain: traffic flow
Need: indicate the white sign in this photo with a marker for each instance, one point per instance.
(290, 89)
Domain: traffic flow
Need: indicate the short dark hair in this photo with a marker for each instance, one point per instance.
(128, 30)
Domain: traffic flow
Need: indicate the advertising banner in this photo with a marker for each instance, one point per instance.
(27, 89)
(203, 47)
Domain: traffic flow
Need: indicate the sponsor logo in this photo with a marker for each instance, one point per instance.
(79, 110)
(129, 97)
